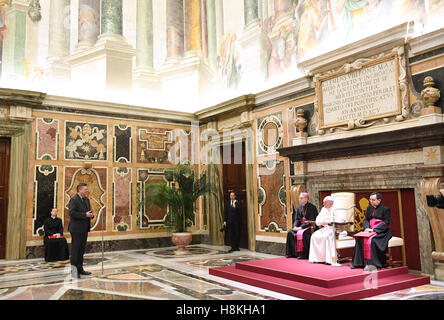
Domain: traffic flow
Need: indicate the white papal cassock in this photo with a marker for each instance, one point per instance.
(322, 246)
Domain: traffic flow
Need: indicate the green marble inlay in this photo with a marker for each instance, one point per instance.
(112, 17)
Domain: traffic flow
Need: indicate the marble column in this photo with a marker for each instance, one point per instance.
(144, 33)
(111, 18)
(107, 65)
(193, 29)
(58, 40)
(14, 44)
(204, 26)
(145, 77)
(89, 23)
(212, 35)
(219, 7)
(175, 29)
(251, 11)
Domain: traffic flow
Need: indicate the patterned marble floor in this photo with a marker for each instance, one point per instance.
(153, 274)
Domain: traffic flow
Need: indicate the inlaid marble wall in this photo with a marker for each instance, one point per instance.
(115, 157)
(45, 196)
(85, 141)
(47, 134)
(272, 199)
(96, 182)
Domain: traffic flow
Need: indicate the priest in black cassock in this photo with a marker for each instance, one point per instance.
(56, 247)
(298, 238)
(370, 251)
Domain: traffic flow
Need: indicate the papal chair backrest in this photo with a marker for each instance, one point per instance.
(344, 203)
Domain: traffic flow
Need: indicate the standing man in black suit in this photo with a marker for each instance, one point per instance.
(232, 221)
(79, 225)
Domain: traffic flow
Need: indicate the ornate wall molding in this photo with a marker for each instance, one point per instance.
(398, 55)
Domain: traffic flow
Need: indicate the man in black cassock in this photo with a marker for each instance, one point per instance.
(305, 212)
(79, 225)
(377, 219)
(232, 221)
(56, 248)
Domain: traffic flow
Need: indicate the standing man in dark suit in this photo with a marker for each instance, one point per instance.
(232, 221)
(79, 225)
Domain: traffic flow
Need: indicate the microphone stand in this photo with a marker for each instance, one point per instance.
(103, 243)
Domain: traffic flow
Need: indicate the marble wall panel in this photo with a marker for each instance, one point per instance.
(47, 138)
(270, 134)
(272, 203)
(122, 199)
(85, 141)
(149, 218)
(96, 179)
(45, 196)
(153, 145)
(122, 143)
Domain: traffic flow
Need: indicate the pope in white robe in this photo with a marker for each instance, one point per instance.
(322, 246)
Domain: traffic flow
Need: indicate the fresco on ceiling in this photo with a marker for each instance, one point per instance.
(235, 50)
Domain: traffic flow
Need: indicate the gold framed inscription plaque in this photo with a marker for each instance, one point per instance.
(368, 91)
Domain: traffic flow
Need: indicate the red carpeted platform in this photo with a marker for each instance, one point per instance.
(306, 280)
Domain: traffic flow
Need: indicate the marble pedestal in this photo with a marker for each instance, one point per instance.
(108, 65)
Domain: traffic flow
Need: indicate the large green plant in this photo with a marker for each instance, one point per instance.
(179, 195)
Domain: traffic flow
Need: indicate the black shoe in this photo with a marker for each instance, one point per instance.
(85, 273)
(301, 258)
(237, 249)
(231, 250)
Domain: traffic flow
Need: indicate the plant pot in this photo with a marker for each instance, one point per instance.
(181, 240)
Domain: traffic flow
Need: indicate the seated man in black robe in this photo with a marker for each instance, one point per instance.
(370, 251)
(298, 238)
(56, 247)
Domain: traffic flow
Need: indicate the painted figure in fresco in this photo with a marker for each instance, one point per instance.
(89, 25)
(436, 12)
(229, 68)
(35, 11)
(309, 26)
(3, 28)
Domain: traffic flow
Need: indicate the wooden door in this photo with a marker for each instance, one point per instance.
(4, 175)
(234, 176)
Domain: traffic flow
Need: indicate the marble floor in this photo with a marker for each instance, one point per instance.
(152, 274)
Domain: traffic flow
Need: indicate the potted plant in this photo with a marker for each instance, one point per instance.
(179, 195)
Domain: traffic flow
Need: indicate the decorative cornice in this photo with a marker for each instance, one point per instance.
(115, 109)
(427, 42)
(290, 88)
(21, 97)
(364, 48)
(224, 109)
(396, 140)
